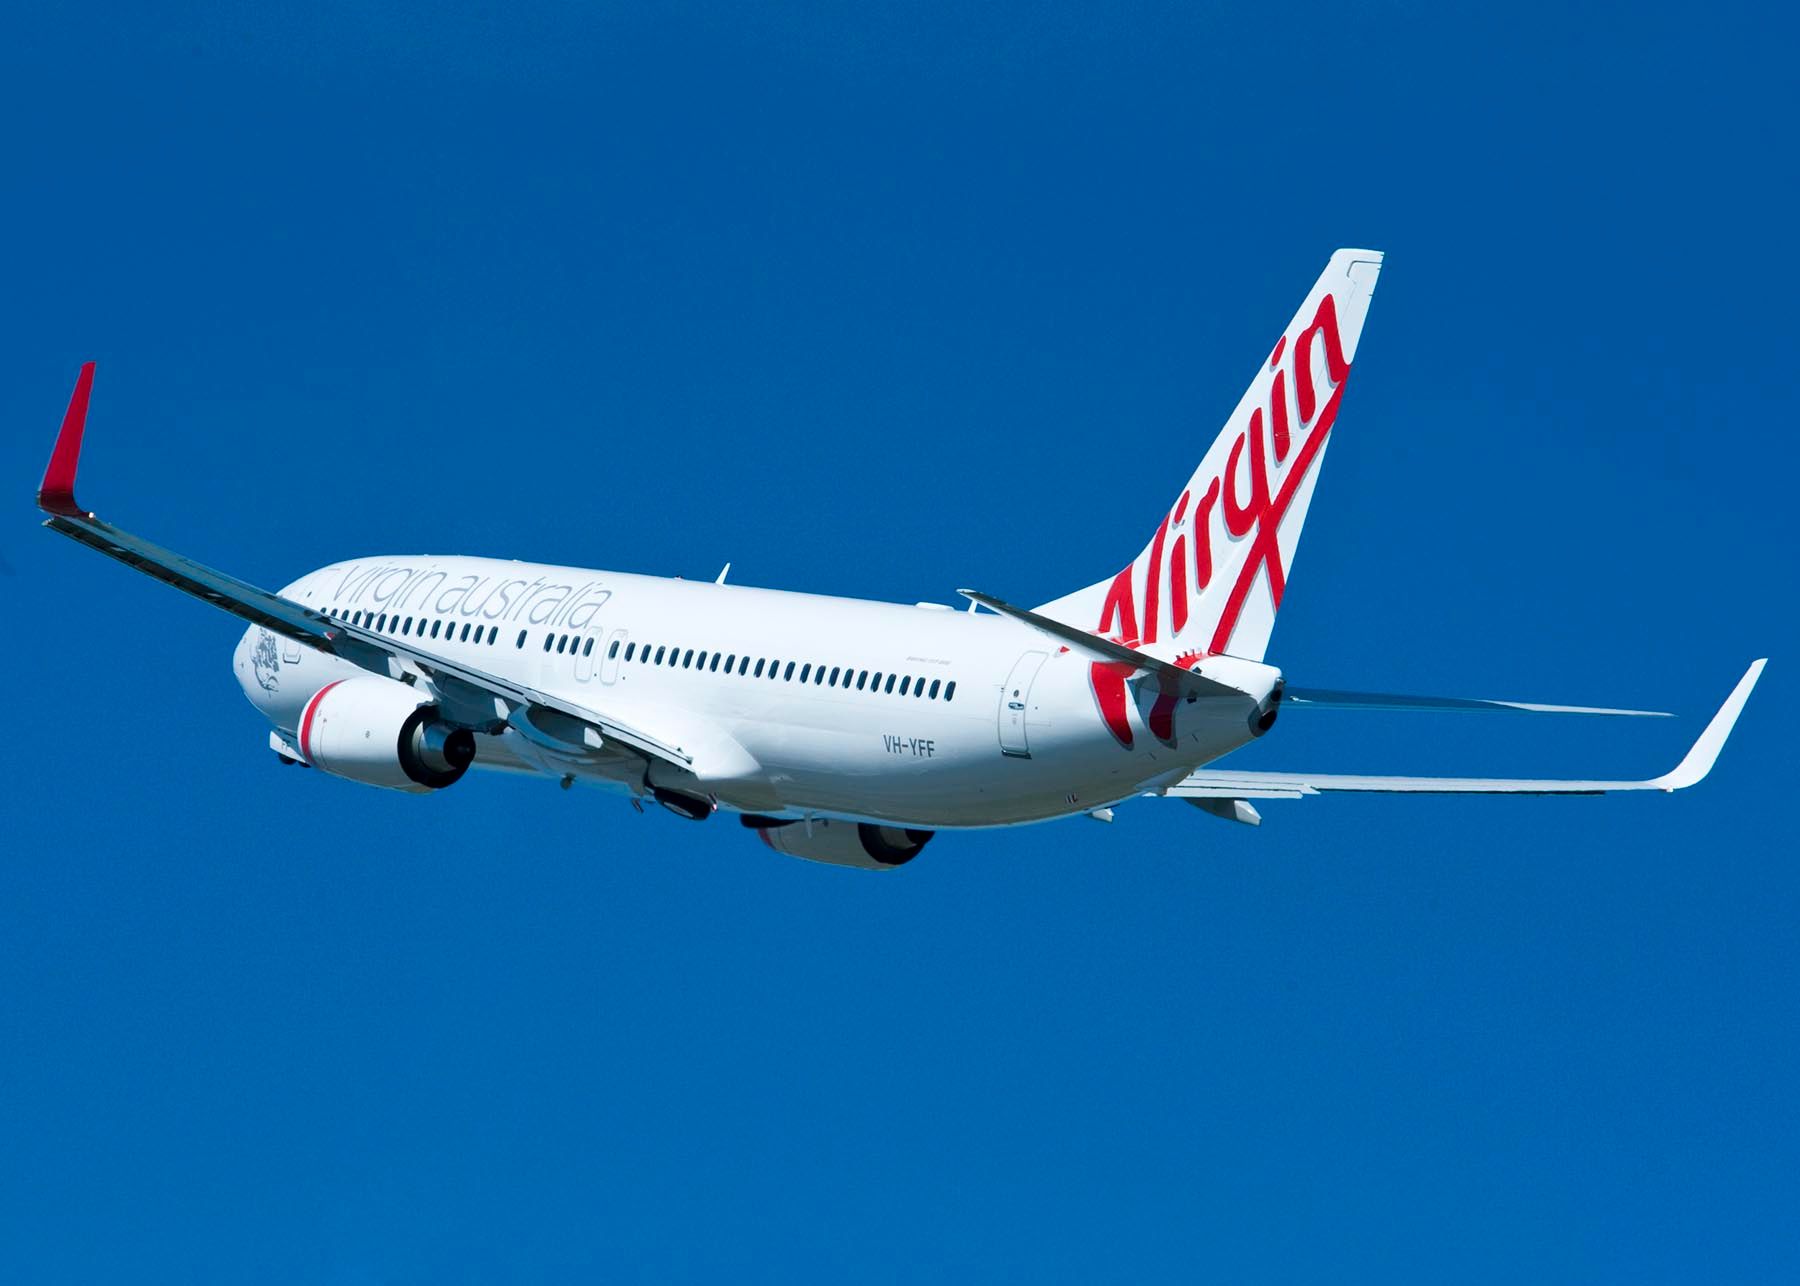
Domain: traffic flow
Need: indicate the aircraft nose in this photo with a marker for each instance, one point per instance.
(241, 661)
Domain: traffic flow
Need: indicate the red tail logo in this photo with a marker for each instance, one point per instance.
(1257, 515)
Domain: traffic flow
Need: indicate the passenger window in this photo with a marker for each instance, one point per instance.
(587, 649)
(548, 640)
(890, 685)
(730, 662)
(715, 664)
(521, 638)
(435, 627)
(788, 674)
(819, 675)
(613, 650)
(950, 690)
(407, 628)
(465, 633)
(934, 690)
(701, 658)
(834, 674)
(381, 621)
(493, 633)
(918, 687)
(903, 682)
(805, 671)
(562, 641)
(687, 659)
(629, 647)
(862, 680)
(659, 654)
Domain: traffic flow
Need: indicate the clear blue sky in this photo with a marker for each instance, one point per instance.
(886, 301)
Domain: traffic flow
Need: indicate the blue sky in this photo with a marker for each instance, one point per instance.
(883, 301)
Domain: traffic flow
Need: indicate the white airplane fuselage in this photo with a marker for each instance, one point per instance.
(841, 730)
(791, 704)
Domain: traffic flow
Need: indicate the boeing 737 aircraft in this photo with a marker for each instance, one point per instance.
(842, 730)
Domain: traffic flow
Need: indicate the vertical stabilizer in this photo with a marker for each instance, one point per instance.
(1212, 576)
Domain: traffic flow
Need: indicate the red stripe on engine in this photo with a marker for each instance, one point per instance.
(306, 720)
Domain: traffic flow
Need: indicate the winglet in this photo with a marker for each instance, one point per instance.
(1700, 758)
(56, 494)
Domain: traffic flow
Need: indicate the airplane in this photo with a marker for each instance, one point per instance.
(841, 730)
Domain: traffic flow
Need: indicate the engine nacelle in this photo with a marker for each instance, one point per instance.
(841, 843)
(381, 732)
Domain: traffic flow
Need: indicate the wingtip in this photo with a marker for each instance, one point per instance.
(56, 494)
(1699, 760)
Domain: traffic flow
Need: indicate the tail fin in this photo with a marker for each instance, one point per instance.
(1212, 576)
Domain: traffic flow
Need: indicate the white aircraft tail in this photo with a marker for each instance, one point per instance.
(1213, 574)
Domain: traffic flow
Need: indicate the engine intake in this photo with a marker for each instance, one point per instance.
(381, 732)
(839, 842)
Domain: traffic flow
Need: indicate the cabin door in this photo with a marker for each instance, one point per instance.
(1015, 700)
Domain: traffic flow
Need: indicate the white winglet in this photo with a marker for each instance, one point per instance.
(1701, 755)
(1223, 783)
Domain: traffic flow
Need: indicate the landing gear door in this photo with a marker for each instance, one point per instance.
(1015, 702)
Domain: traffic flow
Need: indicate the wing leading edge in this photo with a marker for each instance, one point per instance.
(478, 697)
(1223, 783)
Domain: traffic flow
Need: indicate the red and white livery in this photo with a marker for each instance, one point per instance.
(842, 730)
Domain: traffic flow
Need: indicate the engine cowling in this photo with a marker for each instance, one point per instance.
(841, 843)
(381, 732)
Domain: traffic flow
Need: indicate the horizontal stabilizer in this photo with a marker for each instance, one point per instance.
(1108, 652)
(1337, 699)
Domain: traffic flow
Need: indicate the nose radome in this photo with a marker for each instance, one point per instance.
(241, 661)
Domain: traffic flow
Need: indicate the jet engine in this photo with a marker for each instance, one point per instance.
(841, 843)
(381, 732)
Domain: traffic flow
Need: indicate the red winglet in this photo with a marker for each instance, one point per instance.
(56, 494)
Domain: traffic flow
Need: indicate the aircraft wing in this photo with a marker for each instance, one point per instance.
(473, 696)
(1223, 783)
